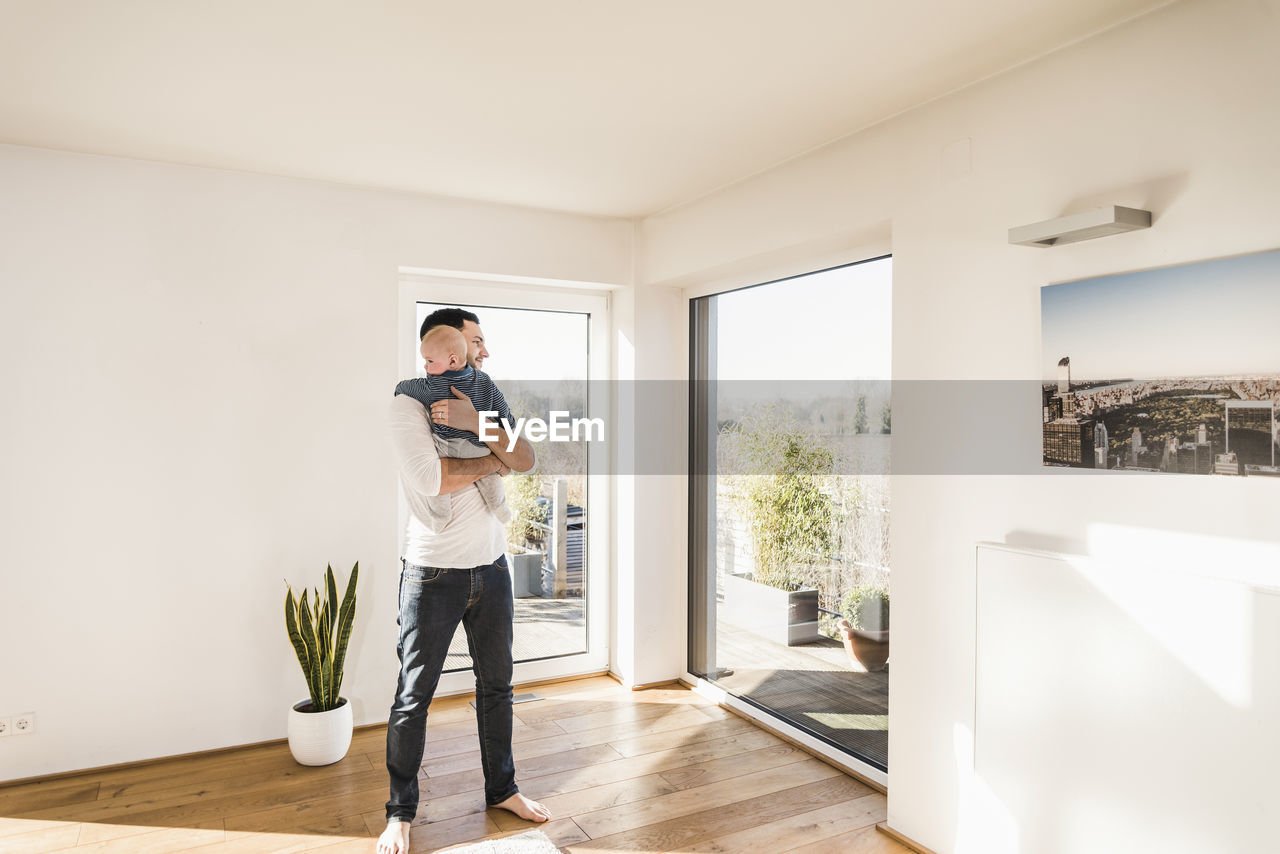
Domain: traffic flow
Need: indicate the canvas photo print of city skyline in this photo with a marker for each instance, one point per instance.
(1174, 370)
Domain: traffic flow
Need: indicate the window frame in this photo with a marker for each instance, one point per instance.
(700, 542)
(481, 292)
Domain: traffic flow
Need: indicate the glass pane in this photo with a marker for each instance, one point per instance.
(794, 559)
(538, 359)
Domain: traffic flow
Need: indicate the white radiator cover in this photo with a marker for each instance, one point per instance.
(1124, 707)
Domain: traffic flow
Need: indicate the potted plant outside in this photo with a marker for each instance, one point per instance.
(792, 518)
(320, 726)
(865, 626)
(524, 535)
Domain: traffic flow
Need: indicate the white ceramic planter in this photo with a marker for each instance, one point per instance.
(320, 738)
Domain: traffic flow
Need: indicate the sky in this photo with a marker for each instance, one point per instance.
(833, 325)
(528, 345)
(1209, 318)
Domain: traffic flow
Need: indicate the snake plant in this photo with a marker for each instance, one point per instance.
(319, 631)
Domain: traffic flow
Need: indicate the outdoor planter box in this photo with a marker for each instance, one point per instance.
(526, 574)
(784, 617)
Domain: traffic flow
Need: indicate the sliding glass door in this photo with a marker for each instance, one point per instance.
(789, 501)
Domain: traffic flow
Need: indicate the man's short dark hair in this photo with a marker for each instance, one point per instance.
(454, 317)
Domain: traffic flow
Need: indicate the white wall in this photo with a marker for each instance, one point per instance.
(196, 368)
(651, 585)
(1203, 710)
(1175, 112)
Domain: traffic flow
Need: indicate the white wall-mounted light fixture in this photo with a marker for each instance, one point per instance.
(1099, 222)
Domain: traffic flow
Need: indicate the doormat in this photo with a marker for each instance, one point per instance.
(532, 842)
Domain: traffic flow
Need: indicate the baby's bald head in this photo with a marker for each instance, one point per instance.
(443, 349)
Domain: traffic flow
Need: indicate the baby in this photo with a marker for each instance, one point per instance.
(444, 351)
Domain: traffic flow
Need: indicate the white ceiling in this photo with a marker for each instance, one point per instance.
(595, 106)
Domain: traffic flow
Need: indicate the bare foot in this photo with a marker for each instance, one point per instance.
(395, 839)
(525, 808)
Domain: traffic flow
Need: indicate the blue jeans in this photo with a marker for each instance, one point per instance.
(433, 601)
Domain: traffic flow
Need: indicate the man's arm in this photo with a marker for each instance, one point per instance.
(520, 458)
(460, 414)
(419, 462)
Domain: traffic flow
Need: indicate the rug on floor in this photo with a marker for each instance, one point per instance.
(533, 842)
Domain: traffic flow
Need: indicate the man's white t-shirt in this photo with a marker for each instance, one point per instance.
(473, 536)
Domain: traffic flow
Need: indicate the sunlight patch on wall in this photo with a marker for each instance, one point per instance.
(1191, 593)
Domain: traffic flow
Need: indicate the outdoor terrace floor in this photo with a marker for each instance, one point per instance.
(814, 686)
(543, 628)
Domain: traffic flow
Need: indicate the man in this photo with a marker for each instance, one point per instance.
(455, 574)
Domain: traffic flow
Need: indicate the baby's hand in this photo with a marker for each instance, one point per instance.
(456, 412)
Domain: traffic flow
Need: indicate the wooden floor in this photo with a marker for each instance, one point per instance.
(813, 686)
(647, 771)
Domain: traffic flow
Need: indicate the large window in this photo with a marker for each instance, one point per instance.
(789, 596)
(548, 354)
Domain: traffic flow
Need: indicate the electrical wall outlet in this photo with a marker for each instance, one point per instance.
(24, 724)
(6, 727)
